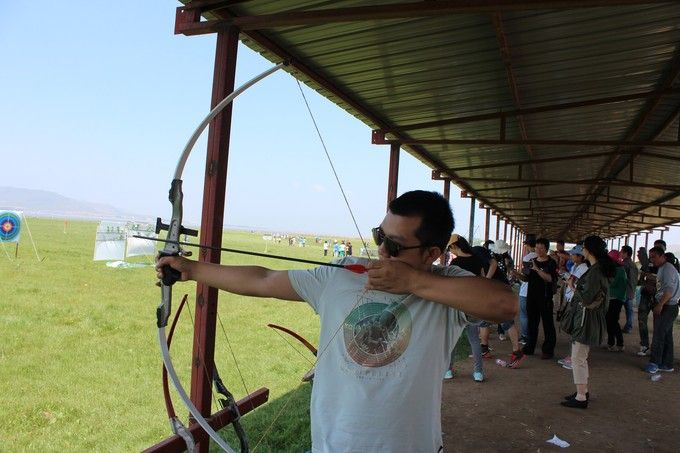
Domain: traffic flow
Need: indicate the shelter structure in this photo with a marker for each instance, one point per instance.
(559, 117)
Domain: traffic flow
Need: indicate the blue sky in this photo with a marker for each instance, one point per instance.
(99, 98)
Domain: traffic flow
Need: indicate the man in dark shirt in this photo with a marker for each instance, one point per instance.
(542, 275)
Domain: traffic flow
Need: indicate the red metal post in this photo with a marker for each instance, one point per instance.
(487, 224)
(505, 231)
(447, 189)
(212, 220)
(393, 177)
(498, 227)
(647, 242)
(634, 246)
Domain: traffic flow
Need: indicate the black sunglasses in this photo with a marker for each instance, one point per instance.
(393, 248)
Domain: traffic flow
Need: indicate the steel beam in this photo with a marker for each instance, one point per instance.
(412, 10)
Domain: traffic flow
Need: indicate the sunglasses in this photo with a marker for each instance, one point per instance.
(393, 248)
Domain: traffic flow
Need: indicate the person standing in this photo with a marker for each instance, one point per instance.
(579, 267)
(617, 296)
(467, 260)
(541, 279)
(529, 254)
(632, 276)
(325, 248)
(647, 289)
(585, 320)
(665, 311)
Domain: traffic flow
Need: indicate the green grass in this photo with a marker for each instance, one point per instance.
(79, 361)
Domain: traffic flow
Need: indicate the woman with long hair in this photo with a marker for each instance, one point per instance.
(585, 320)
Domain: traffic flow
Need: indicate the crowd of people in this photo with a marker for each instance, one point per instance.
(387, 334)
(584, 290)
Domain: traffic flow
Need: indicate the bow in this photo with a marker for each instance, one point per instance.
(297, 336)
(172, 248)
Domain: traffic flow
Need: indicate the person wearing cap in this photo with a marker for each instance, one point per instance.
(617, 296)
(579, 268)
(632, 276)
(386, 335)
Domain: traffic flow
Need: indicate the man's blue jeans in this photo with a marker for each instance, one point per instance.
(662, 339)
(629, 315)
(523, 318)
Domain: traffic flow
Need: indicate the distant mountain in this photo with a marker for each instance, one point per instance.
(41, 203)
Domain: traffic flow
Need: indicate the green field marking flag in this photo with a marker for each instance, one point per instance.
(10, 226)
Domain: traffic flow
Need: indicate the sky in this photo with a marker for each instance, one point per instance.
(100, 97)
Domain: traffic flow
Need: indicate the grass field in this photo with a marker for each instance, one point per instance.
(79, 360)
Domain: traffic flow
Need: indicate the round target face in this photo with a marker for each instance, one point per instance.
(10, 225)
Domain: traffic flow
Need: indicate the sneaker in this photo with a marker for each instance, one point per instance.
(502, 337)
(486, 352)
(478, 376)
(620, 348)
(644, 350)
(516, 359)
(568, 366)
(523, 341)
(448, 375)
(627, 330)
(666, 369)
(565, 361)
(651, 368)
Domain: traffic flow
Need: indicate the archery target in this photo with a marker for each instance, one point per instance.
(10, 226)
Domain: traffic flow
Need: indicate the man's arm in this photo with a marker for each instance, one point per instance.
(482, 298)
(245, 280)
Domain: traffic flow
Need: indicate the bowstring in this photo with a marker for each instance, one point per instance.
(360, 297)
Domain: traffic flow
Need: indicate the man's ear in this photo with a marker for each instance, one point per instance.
(433, 253)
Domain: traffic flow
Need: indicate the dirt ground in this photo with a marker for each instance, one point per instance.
(519, 410)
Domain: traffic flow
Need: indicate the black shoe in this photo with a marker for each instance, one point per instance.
(575, 403)
(573, 396)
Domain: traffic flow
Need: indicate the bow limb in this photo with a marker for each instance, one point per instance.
(172, 248)
(297, 336)
(175, 424)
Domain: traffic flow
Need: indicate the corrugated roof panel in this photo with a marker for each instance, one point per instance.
(399, 72)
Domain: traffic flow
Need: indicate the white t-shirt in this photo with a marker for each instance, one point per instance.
(577, 271)
(378, 380)
(524, 287)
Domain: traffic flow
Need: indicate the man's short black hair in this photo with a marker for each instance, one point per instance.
(660, 242)
(436, 224)
(657, 250)
(628, 250)
(543, 241)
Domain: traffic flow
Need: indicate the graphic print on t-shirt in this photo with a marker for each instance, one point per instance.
(377, 333)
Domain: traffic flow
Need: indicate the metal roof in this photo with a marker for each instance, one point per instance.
(561, 116)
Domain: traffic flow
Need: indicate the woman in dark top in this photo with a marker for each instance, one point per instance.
(585, 320)
(465, 259)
